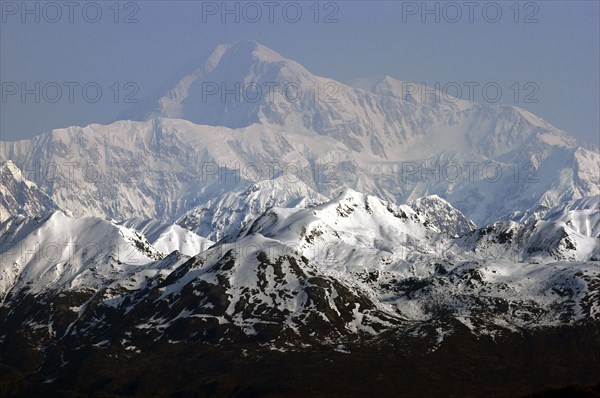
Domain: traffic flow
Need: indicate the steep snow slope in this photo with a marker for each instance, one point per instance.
(59, 252)
(445, 217)
(19, 196)
(169, 237)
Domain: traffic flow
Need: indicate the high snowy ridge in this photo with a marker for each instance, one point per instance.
(377, 123)
(171, 166)
(348, 231)
(372, 140)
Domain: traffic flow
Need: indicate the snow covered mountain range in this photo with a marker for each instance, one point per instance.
(343, 214)
(362, 263)
(489, 161)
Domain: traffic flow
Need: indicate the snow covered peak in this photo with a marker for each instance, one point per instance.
(64, 252)
(227, 215)
(237, 56)
(411, 93)
(567, 232)
(167, 238)
(226, 89)
(353, 231)
(246, 83)
(9, 168)
(443, 215)
(244, 48)
(351, 195)
(20, 196)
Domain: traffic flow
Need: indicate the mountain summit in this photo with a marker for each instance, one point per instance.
(244, 83)
(228, 89)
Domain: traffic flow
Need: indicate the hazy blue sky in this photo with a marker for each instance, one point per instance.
(559, 53)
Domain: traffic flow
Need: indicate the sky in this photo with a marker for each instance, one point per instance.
(64, 64)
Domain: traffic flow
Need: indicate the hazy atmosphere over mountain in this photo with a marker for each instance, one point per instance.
(258, 224)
